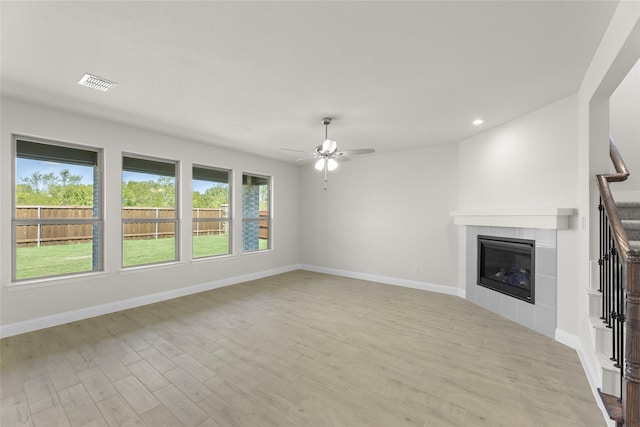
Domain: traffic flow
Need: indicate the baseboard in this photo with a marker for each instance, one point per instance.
(99, 310)
(441, 289)
(590, 371)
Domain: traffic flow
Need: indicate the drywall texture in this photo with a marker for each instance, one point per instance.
(385, 214)
(116, 284)
(529, 162)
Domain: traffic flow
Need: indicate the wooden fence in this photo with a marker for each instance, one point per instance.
(45, 234)
(61, 234)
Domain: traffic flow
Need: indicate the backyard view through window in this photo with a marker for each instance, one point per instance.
(256, 213)
(149, 218)
(57, 217)
(211, 221)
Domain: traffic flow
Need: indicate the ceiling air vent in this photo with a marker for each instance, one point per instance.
(98, 83)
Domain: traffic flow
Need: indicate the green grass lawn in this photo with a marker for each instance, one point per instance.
(52, 260)
(75, 258)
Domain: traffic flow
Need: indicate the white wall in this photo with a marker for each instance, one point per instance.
(624, 125)
(529, 162)
(64, 295)
(385, 215)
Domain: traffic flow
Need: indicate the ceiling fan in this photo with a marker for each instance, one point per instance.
(327, 152)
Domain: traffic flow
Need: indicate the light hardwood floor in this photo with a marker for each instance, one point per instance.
(297, 349)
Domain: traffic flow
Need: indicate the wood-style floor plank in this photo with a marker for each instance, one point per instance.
(297, 349)
(78, 406)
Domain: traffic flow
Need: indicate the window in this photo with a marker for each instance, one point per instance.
(149, 214)
(211, 212)
(256, 213)
(57, 221)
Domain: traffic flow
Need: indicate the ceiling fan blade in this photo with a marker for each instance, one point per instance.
(338, 157)
(291, 149)
(356, 152)
(306, 158)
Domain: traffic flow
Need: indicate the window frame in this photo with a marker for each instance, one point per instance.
(228, 219)
(175, 220)
(98, 208)
(268, 219)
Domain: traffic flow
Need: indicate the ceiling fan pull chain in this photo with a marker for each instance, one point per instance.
(326, 173)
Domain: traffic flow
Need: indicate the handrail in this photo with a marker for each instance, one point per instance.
(622, 173)
(618, 162)
(614, 219)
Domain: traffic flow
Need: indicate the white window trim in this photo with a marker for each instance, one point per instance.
(228, 218)
(49, 280)
(175, 220)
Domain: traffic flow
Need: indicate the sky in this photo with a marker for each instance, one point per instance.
(27, 167)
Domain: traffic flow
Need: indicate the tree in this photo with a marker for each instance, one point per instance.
(76, 195)
(160, 193)
(50, 189)
(67, 179)
(40, 182)
(213, 197)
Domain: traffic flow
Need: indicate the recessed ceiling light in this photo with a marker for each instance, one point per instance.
(98, 83)
(478, 122)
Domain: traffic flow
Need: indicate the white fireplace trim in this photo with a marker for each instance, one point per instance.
(542, 218)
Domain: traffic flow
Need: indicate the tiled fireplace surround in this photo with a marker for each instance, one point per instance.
(540, 317)
(540, 225)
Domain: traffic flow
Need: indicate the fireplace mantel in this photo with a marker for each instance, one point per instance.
(544, 218)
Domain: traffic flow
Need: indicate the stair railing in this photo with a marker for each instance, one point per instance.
(620, 287)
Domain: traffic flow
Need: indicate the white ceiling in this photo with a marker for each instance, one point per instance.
(258, 76)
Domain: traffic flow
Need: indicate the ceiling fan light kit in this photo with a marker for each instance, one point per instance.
(331, 164)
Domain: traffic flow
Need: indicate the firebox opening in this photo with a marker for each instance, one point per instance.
(508, 266)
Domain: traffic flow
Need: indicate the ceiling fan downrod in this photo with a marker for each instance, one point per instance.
(326, 148)
(326, 121)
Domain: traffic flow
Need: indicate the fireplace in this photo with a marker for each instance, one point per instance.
(507, 265)
(541, 316)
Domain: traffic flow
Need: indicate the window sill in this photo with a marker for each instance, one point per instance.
(211, 258)
(27, 284)
(145, 268)
(261, 251)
